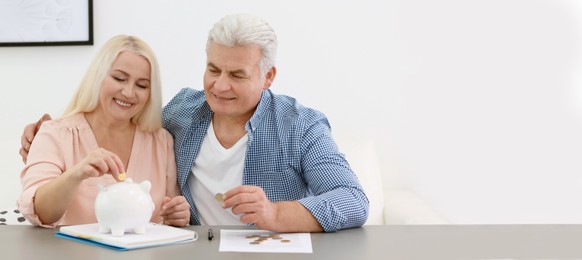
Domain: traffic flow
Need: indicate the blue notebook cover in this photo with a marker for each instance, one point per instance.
(90, 242)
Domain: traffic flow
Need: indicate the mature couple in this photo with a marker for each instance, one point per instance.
(274, 160)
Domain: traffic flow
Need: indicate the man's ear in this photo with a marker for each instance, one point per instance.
(270, 77)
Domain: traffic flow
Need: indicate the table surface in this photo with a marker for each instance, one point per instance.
(368, 242)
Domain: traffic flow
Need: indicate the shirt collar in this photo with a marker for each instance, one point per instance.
(203, 112)
(260, 112)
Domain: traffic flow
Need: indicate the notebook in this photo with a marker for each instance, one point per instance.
(156, 235)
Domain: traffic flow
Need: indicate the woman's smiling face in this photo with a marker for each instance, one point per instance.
(126, 88)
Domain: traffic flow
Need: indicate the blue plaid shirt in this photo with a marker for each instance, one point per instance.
(290, 154)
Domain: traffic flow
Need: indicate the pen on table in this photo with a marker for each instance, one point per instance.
(210, 235)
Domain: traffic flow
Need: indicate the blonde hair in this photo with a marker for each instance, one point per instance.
(86, 97)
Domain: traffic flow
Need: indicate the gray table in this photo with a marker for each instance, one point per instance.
(368, 242)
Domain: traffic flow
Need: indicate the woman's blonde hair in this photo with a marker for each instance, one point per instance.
(86, 97)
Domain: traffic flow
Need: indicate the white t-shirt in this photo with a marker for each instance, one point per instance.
(216, 170)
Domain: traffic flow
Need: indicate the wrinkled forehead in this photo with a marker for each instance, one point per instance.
(235, 57)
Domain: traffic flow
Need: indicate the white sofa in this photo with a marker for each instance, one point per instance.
(392, 202)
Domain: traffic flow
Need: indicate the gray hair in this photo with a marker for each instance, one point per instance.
(243, 30)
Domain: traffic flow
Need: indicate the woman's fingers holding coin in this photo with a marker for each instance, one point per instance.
(121, 176)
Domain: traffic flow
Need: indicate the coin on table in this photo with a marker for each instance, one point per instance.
(285, 241)
(219, 197)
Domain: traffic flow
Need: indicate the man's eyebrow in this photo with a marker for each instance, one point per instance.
(239, 71)
(210, 64)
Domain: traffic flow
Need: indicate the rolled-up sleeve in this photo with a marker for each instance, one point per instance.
(339, 201)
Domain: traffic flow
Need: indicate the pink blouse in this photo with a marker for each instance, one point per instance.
(59, 145)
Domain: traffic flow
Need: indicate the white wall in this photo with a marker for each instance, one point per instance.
(477, 103)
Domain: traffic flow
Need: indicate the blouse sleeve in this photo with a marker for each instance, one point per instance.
(45, 163)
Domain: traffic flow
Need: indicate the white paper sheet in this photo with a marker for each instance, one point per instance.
(238, 241)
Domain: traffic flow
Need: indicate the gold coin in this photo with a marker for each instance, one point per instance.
(219, 197)
(285, 241)
(121, 176)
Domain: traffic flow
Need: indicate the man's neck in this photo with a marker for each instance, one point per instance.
(228, 130)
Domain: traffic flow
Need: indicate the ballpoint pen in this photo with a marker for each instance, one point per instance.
(210, 235)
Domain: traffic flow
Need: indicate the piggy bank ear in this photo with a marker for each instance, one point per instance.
(146, 186)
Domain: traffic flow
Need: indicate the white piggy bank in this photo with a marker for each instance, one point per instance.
(124, 206)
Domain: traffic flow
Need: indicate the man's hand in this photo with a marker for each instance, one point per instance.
(284, 216)
(28, 135)
(175, 211)
(252, 203)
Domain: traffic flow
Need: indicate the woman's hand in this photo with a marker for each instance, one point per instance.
(98, 163)
(175, 211)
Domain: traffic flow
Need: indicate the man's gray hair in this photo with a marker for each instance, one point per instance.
(244, 30)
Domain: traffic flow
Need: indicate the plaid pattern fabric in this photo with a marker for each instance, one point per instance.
(290, 154)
